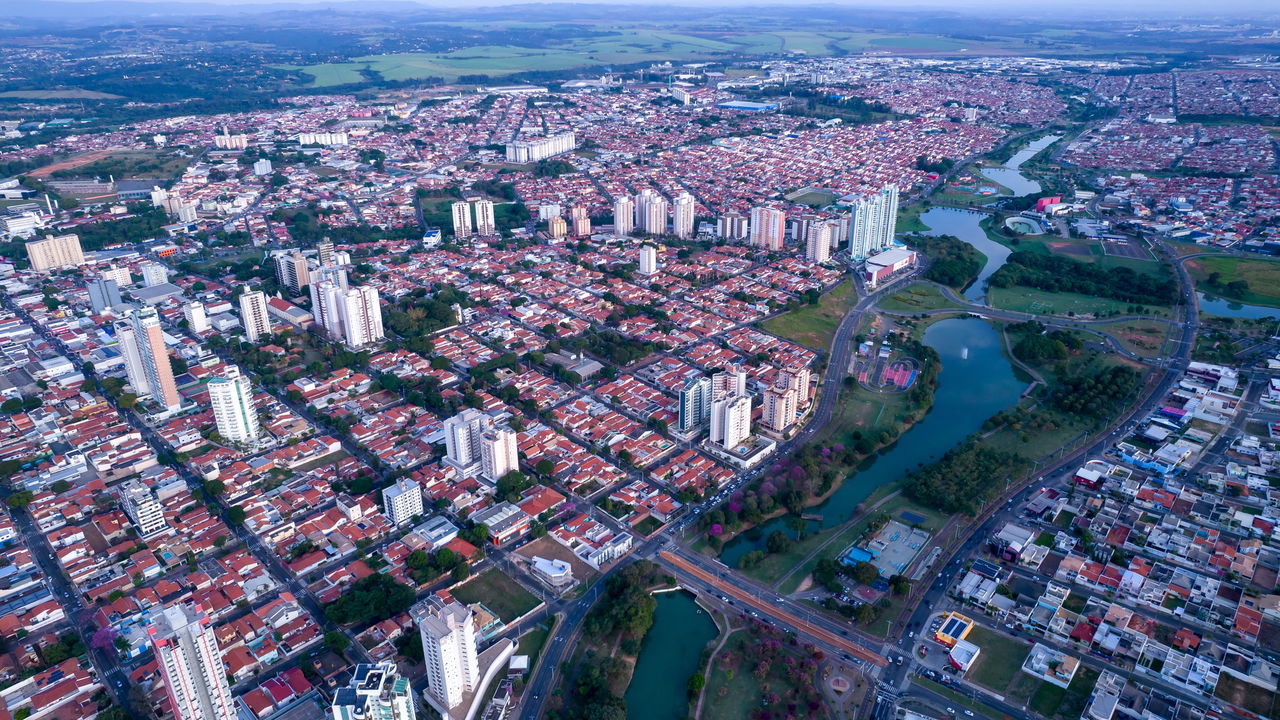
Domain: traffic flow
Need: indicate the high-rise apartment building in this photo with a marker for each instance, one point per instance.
(732, 226)
(104, 294)
(55, 252)
(683, 211)
(557, 227)
(231, 396)
(376, 692)
(818, 242)
(449, 649)
(402, 501)
(651, 212)
(153, 358)
(154, 273)
(462, 440)
(253, 314)
(624, 215)
(768, 228)
(779, 408)
(324, 253)
(729, 382)
(648, 259)
(130, 348)
(190, 662)
(292, 271)
(461, 219)
(143, 508)
(484, 218)
(731, 421)
(498, 452)
(196, 316)
(695, 404)
(581, 221)
(874, 223)
(360, 317)
(119, 274)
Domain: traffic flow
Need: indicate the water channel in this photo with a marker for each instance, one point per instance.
(964, 225)
(976, 382)
(670, 655)
(1232, 309)
(1010, 177)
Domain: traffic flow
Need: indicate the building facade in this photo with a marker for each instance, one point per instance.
(231, 396)
(448, 648)
(191, 665)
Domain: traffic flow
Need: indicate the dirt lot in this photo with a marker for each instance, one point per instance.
(552, 550)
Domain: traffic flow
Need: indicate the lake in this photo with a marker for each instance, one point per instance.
(1009, 175)
(669, 656)
(964, 225)
(1233, 309)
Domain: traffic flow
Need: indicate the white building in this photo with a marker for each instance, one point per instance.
(498, 452)
(461, 219)
(651, 212)
(253, 314)
(484, 218)
(462, 440)
(449, 649)
(262, 167)
(875, 221)
(779, 408)
(131, 350)
(695, 404)
(527, 151)
(55, 252)
(768, 228)
(142, 507)
(154, 274)
(624, 215)
(403, 501)
(683, 210)
(648, 259)
(119, 274)
(292, 271)
(360, 317)
(732, 226)
(231, 396)
(818, 243)
(376, 692)
(731, 421)
(191, 664)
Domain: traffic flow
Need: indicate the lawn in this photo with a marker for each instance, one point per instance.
(127, 164)
(1040, 302)
(1263, 277)
(815, 325)
(917, 298)
(1047, 699)
(1035, 444)
(497, 592)
(1000, 660)
(532, 642)
(732, 690)
(909, 219)
(864, 410)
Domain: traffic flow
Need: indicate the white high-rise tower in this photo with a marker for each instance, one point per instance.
(683, 211)
(253, 314)
(875, 221)
(449, 649)
(624, 215)
(768, 228)
(231, 396)
(191, 665)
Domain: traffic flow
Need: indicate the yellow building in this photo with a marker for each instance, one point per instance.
(954, 628)
(55, 252)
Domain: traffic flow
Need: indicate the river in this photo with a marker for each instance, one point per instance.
(1232, 309)
(1010, 177)
(964, 225)
(975, 383)
(669, 656)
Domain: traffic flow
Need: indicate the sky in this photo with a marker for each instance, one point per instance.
(1269, 8)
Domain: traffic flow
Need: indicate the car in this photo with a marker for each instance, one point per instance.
(951, 711)
(969, 713)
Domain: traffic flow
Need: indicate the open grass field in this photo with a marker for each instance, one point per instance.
(917, 298)
(1143, 337)
(999, 661)
(1040, 302)
(1034, 445)
(1263, 277)
(732, 690)
(864, 410)
(127, 164)
(499, 593)
(814, 326)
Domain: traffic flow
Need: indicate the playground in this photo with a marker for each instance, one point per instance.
(885, 371)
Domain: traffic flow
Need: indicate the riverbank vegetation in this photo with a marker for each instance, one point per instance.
(1243, 280)
(963, 479)
(597, 675)
(1060, 274)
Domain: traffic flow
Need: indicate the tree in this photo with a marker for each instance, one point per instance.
(235, 515)
(460, 573)
(20, 499)
(865, 573)
(11, 406)
(337, 641)
(370, 599)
